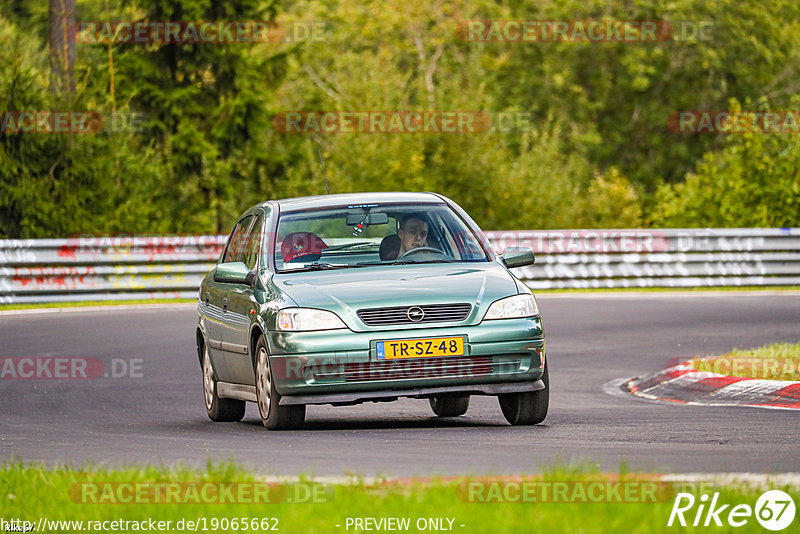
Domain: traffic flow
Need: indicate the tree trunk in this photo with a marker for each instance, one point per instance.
(62, 45)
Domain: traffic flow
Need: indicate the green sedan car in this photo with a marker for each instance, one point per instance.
(344, 299)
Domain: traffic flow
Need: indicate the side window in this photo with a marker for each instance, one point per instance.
(236, 242)
(253, 244)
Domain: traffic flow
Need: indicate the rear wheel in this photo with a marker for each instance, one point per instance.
(219, 410)
(449, 405)
(273, 415)
(528, 408)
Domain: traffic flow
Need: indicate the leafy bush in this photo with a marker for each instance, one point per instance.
(754, 181)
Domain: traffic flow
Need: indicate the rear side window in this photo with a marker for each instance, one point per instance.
(253, 245)
(237, 240)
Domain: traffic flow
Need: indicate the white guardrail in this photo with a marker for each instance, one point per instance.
(150, 267)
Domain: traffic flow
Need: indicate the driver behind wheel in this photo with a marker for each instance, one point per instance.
(413, 232)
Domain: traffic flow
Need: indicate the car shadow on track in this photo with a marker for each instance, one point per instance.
(387, 423)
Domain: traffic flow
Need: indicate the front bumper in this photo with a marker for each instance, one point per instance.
(394, 394)
(341, 366)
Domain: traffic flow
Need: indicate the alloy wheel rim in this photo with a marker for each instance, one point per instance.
(208, 381)
(264, 383)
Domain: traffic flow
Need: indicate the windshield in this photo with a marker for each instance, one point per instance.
(379, 234)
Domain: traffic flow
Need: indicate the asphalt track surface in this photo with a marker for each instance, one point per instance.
(593, 342)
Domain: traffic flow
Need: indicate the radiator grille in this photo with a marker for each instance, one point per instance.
(431, 313)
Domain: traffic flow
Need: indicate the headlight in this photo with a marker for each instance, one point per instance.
(306, 319)
(513, 308)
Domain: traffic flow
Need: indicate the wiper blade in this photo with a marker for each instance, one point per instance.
(350, 246)
(317, 267)
(409, 262)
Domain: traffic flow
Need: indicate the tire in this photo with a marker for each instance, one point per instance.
(528, 408)
(273, 415)
(218, 410)
(449, 405)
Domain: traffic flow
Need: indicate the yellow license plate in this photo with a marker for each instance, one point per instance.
(420, 348)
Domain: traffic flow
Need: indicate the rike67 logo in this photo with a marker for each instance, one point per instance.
(774, 510)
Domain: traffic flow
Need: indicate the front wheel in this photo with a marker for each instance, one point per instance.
(219, 410)
(273, 415)
(449, 406)
(529, 407)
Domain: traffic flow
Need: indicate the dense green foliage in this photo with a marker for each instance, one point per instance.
(754, 180)
(592, 149)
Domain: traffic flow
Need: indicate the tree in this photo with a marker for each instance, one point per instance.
(62, 45)
(754, 181)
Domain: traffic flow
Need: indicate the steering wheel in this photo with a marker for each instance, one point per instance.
(420, 249)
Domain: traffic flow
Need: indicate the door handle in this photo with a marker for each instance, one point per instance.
(224, 305)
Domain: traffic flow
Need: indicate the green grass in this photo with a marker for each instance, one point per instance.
(31, 492)
(83, 303)
(780, 361)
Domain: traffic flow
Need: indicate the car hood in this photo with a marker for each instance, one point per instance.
(346, 291)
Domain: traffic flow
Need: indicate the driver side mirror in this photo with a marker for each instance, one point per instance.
(234, 272)
(518, 257)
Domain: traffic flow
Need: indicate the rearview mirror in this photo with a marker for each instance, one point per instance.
(234, 272)
(368, 219)
(518, 257)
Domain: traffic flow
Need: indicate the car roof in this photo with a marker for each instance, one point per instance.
(323, 201)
